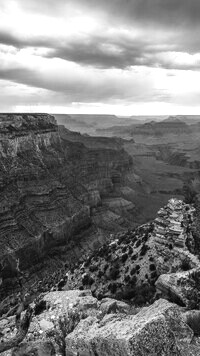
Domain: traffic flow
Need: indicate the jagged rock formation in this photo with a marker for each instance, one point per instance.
(129, 266)
(48, 186)
(74, 322)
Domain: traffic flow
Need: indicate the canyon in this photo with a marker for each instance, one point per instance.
(100, 221)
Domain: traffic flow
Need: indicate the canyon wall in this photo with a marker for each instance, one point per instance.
(48, 186)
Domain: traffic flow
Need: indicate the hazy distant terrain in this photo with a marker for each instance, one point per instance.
(112, 125)
(91, 124)
(165, 152)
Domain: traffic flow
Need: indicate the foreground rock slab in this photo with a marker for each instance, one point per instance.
(157, 330)
(75, 323)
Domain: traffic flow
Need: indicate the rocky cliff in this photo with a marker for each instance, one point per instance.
(48, 186)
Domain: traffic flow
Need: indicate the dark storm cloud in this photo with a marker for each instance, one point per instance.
(102, 52)
(122, 53)
(105, 51)
(177, 23)
(116, 50)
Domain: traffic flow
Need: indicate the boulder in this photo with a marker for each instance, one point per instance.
(181, 287)
(157, 330)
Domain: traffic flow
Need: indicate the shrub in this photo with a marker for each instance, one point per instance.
(133, 270)
(127, 278)
(87, 280)
(145, 237)
(128, 293)
(144, 294)
(130, 250)
(108, 257)
(93, 268)
(124, 248)
(87, 262)
(138, 243)
(114, 273)
(134, 257)
(106, 267)
(126, 269)
(154, 275)
(152, 267)
(143, 250)
(185, 264)
(100, 274)
(133, 280)
(112, 287)
(124, 257)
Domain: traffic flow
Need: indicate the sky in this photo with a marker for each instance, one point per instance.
(123, 57)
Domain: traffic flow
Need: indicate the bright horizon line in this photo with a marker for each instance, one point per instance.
(95, 113)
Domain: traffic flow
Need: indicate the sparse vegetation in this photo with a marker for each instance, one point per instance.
(185, 264)
(152, 267)
(144, 250)
(124, 257)
(114, 272)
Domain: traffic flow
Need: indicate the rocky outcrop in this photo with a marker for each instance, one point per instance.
(48, 186)
(74, 323)
(156, 330)
(181, 287)
(128, 267)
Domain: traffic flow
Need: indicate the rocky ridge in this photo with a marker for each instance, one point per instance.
(128, 267)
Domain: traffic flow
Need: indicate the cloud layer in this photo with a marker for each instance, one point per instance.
(119, 53)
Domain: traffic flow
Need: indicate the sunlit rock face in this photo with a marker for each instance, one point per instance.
(47, 186)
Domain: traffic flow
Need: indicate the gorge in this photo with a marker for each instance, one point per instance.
(104, 217)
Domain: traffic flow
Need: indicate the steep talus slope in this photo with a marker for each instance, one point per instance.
(48, 186)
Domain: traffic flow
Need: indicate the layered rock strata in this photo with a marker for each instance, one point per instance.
(48, 186)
